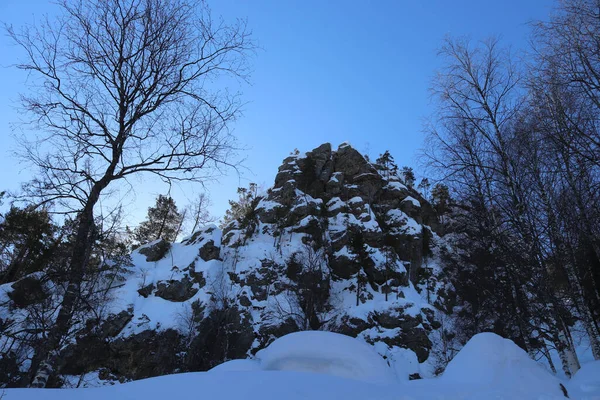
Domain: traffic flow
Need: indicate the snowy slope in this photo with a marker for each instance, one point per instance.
(273, 385)
(251, 381)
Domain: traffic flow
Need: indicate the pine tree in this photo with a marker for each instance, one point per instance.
(387, 165)
(239, 209)
(409, 176)
(26, 235)
(163, 222)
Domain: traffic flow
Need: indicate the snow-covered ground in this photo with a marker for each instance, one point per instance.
(321, 365)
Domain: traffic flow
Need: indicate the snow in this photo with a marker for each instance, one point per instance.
(265, 204)
(494, 362)
(237, 365)
(335, 203)
(326, 353)
(395, 185)
(355, 200)
(404, 362)
(586, 382)
(414, 201)
(335, 177)
(406, 224)
(488, 367)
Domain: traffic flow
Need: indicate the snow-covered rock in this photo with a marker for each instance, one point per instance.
(326, 353)
(494, 362)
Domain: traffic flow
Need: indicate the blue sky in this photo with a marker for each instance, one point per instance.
(329, 71)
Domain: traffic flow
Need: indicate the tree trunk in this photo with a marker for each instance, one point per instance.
(548, 357)
(49, 353)
(568, 358)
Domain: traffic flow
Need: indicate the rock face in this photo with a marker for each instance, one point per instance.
(155, 251)
(337, 244)
(209, 251)
(358, 224)
(175, 290)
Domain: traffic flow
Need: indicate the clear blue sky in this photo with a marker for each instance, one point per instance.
(330, 71)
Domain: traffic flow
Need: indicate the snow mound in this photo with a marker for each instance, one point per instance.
(490, 360)
(237, 365)
(326, 353)
(587, 381)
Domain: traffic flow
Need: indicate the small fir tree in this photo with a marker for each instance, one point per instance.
(239, 209)
(409, 176)
(163, 222)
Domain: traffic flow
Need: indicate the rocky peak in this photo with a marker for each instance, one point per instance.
(371, 230)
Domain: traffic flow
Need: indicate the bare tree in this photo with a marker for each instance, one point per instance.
(481, 142)
(198, 212)
(121, 88)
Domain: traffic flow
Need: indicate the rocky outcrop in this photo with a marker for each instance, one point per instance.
(336, 244)
(368, 227)
(176, 290)
(146, 354)
(115, 323)
(155, 251)
(209, 251)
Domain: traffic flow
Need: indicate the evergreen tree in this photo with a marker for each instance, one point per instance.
(358, 246)
(409, 176)
(163, 222)
(239, 210)
(387, 165)
(26, 235)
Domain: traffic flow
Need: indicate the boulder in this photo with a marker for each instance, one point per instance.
(146, 290)
(156, 251)
(334, 185)
(321, 155)
(209, 251)
(176, 290)
(343, 267)
(352, 326)
(146, 354)
(115, 323)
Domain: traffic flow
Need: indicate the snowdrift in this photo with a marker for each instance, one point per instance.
(586, 382)
(326, 353)
(237, 365)
(490, 360)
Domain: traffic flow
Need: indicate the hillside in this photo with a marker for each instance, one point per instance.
(336, 244)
